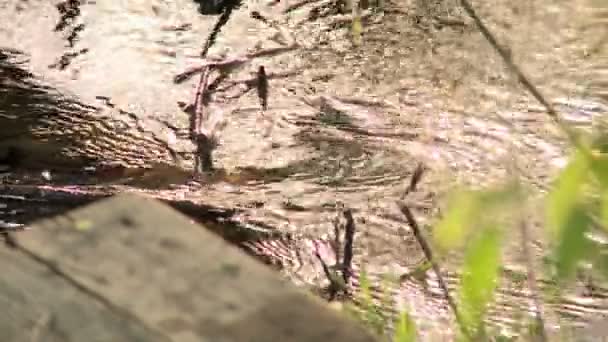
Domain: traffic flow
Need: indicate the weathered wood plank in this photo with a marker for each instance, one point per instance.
(178, 278)
(38, 305)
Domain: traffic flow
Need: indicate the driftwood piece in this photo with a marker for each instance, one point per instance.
(167, 278)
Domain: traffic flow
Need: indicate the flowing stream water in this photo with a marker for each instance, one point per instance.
(346, 127)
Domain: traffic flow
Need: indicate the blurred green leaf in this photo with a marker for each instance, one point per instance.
(451, 231)
(387, 296)
(599, 167)
(365, 286)
(479, 277)
(501, 197)
(566, 194)
(604, 211)
(470, 209)
(572, 246)
(600, 262)
(420, 272)
(405, 330)
(372, 314)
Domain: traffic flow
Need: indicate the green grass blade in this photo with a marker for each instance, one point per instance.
(604, 211)
(405, 330)
(469, 209)
(599, 167)
(372, 313)
(479, 278)
(365, 286)
(453, 228)
(566, 195)
(573, 245)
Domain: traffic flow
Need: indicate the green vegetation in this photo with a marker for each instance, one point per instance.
(476, 222)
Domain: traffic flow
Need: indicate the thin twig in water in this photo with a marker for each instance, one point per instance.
(219, 24)
(262, 87)
(204, 137)
(282, 36)
(339, 275)
(428, 253)
(299, 4)
(249, 83)
(230, 63)
(416, 177)
(337, 243)
(258, 16)
(201, 140)
(335, 284)
(522, 78)
(204, 125)
(426, 248)
(199, 102)
(349, 238)
(538, 309)
(349, 18)
(365, 102)
(225, 65)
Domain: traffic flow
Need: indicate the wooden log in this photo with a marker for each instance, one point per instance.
(151, 264)
(39, 305)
